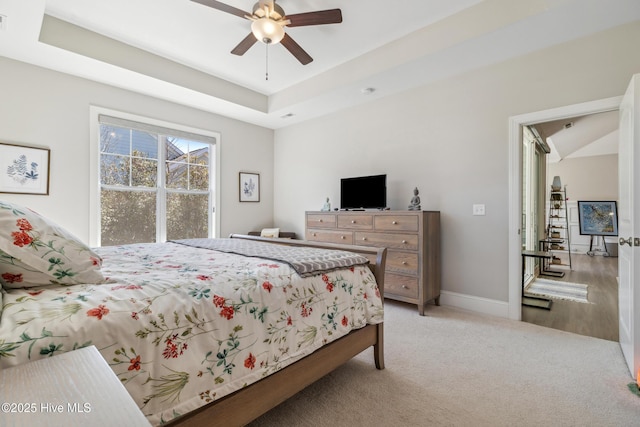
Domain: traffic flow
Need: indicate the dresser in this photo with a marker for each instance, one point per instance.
(412, 239)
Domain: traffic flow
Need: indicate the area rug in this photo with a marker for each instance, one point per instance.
(558, 290)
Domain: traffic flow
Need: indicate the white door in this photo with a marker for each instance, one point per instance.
(628, 219)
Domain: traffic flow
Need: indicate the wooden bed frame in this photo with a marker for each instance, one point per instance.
(247, 404)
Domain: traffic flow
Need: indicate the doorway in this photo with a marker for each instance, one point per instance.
(516, 125)
(580, 156)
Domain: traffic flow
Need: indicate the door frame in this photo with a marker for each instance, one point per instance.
(515, 183)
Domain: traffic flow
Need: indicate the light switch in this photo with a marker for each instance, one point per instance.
(478, 209)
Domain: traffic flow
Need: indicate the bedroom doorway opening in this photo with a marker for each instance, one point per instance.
(517, 218)
(580, 154)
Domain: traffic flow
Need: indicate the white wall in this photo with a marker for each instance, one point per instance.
(587, 178)
(49, 109)
(450, 139)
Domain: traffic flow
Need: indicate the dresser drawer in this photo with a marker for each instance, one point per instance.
(321, 221)
(330, 236)
(387, 240)
(403, 262)
(396, 284)
(396, 223)
(356, 222)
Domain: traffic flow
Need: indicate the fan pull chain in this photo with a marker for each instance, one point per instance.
(266, 73)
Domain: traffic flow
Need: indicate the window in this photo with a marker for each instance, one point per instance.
(156, 182)
(533, 174)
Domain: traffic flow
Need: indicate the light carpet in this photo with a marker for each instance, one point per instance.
(557, 289)
(455, 368)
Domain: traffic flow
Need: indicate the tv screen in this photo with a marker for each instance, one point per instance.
(364, 192)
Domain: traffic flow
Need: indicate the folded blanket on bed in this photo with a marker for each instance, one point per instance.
(304, 260)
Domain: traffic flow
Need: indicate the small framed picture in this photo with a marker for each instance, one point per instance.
(249, 187)
(24, 170)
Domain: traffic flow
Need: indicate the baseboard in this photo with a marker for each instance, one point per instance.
(475, 304)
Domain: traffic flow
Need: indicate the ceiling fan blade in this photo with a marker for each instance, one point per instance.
(223, 7)
(331, 16)
(296, 50)
(244, 45)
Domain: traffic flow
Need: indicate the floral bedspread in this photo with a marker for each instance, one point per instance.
(182, 326)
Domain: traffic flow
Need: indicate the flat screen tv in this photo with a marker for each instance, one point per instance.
(364, 192)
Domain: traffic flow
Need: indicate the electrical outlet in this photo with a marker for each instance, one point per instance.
(478, 210)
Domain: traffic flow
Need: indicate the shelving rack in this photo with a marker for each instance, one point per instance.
(558, 239)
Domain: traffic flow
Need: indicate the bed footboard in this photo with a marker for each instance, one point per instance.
(377, 256)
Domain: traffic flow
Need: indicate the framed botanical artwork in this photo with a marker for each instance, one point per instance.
(249, 187)
(598, 218)
(24, 170)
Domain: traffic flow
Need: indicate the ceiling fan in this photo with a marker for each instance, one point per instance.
(268, 25)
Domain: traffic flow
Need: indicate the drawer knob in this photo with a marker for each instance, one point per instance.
(364, 238)
(319, 220)
(342, 237)
(314, 234)
(404, 262)
(405, 287)
(353, 221)
(394, 222)
(404, 242)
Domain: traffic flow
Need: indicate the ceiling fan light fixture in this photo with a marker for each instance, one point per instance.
(267, 30)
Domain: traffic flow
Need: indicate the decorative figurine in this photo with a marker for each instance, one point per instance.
(415, 201)
(327, 206)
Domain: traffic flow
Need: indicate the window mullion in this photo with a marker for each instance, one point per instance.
(211, 205)
(161, 225)
(130, 155)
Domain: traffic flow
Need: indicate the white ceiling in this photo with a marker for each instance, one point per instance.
(584, 136)
(388, 46)
(202, 37)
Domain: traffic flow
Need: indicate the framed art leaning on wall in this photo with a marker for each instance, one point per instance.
(249, 187)
(24, 170)
(598, 218)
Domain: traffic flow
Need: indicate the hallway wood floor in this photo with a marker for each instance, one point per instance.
(597, 319)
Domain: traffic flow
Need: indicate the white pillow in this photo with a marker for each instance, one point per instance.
(270, 232)
(34, 251)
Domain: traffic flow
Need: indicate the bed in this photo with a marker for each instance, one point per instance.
(200, 332)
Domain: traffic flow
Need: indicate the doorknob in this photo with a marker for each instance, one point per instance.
(623, 241)
(631, 241)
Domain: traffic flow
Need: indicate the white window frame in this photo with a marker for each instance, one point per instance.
(533, 177)
(94, 167)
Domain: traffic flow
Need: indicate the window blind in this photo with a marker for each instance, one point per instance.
(104, 119)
